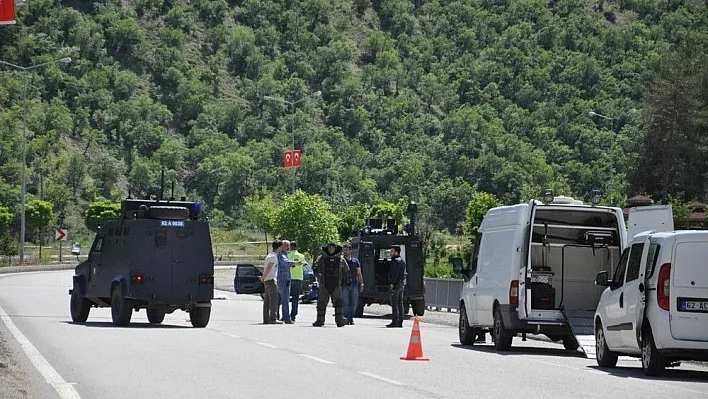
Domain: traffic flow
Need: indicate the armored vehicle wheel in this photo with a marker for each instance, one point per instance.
(502, 338)
(359, 311)
(199, 316)
(168, 212)
(418, 307)
(121, 308)
(155, 316)
(406, 307)
(79, 307)
(570, 343)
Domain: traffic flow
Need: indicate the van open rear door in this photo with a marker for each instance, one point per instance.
(524, 309)
(644, 218)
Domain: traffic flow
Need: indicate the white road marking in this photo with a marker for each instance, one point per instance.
(231, 335)
(64, 389)
(266, 345)
(378, 377)
(317, 359)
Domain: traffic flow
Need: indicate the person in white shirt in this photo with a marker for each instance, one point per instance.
(270, 299)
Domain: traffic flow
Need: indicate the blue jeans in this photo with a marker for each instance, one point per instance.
(350, 300)
(284, 296)
(295, 287)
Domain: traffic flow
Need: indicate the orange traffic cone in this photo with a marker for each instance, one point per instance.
(415, 347)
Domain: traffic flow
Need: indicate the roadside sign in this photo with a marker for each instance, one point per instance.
(61, 235)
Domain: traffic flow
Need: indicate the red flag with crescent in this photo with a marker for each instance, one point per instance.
(296, 158)
(7, 12)
(288, 159)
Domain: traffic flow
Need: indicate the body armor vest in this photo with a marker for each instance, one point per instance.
(331, 272)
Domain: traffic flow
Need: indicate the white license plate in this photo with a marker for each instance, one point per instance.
(693, 306)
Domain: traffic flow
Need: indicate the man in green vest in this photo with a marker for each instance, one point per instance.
(296, 276)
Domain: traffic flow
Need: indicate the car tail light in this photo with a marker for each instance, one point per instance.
(136, 278)
(664, 286)
(206, 279)
(514, 292)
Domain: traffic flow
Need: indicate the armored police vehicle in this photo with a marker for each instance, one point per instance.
(155, 256)
(373, 249)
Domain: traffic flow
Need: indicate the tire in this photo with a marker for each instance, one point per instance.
(653, 363)
(155, 316)
(467, 335)
(418, 307)
(199, 317)
(502, 337)
(359, 311)
(168, 212)
(570, 343)
(406, 308)
(79, 307)
(121, 308)
(604, 356)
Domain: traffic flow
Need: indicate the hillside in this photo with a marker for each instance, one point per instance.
(433, 100)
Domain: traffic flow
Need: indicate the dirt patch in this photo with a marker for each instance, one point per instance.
(13, 381)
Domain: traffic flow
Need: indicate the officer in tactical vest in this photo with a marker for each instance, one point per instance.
(329, 268)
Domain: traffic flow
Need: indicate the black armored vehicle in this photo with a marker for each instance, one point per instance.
(373, 249)
(156, 256)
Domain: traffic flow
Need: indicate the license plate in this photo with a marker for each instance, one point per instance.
(691, 305)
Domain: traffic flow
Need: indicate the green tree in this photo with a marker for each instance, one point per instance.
(352, 219)
(307, 219)
(5, 219)
(39, 215)
(260, 210)
(681, 210)
(99, 211)
(478, 206)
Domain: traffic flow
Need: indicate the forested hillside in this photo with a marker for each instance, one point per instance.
(433, 100)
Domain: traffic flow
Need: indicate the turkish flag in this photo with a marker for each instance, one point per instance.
(296, 158)
(288, 159)
(7, 12)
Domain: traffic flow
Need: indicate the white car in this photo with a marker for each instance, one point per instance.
(656, 305)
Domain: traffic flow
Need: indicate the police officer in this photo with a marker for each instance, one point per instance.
(397, 276)
(329, 268)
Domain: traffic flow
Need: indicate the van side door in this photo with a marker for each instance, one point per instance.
(634, 295)
(613, 310)
(470, 285)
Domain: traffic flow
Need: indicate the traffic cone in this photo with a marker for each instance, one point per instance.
(415, 347)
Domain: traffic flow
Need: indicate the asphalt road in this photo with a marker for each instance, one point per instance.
(236, 356)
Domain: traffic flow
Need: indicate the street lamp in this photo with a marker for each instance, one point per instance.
(291, 105)
(25, 82)
(592, 114)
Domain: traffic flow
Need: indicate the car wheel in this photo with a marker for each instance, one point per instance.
(199, 317)
(406, 307)
(570, 343)
(502, 337)
(121, 308)
(79, 307)
(603, 355)
(467, 335)
(653, 363)
(155, 316)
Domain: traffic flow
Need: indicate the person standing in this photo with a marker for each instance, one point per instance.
(329, 268)
(296, 276)
(397, 276)
(352, 285)
(283, 281)
(270, 297)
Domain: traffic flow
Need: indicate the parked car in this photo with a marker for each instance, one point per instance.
(310, 287)
(656, 305)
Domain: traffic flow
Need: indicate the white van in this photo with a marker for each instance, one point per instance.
(534, 265)
(656, 304)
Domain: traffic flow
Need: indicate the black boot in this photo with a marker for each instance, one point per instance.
(318, 323)
(341, 321)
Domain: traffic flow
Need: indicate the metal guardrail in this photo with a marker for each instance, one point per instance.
(442, 293)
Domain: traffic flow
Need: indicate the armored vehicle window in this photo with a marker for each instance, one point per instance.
(97, 245)
(161, 239)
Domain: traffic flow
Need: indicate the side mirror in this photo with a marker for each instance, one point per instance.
(602, 279)
(457, 265)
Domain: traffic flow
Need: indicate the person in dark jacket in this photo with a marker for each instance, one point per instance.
(397, 277)
(330, 267)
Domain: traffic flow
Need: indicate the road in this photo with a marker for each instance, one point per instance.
(236, 356)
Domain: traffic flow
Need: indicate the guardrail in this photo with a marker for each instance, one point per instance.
(442, 293)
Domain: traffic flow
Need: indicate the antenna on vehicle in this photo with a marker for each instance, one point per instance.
(172, 196)
(128, 193)
(162, 184)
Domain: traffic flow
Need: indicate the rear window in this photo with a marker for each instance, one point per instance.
(652, 257)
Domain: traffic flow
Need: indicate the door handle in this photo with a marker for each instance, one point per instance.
(641, 287)
(475, 279)
(622, 300)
